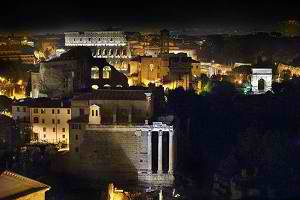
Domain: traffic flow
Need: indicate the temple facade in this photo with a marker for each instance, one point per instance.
(112, 139)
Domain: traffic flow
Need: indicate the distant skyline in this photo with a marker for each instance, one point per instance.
(204, 17)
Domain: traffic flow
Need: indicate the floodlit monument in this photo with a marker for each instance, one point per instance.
(261, 80)
(111, 45)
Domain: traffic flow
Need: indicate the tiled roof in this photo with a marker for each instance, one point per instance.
(14, 185)
(43, 103)
(114, 95)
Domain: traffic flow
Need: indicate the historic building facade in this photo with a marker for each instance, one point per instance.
(111, 45)
(46, 118)
(112, 139)
(169, 70)
(75, 71)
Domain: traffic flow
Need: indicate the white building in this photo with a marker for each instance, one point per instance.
(47, 118)
(261, 80)
(111, 45)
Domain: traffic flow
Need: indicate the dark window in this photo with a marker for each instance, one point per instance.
(18, 109)
(53, 129)
(69, 111)
(81, 111)
(43, 110)
(24, 109)
(35, 120)
(63, 136)
(53, 121)
(76, 149)
(58, 121)
(96, 112)
(44, 129)
(43, 121)
(76, 137)
(35, 110)
(52, 111)
(93, 113)
(63, 130)
(57, 111)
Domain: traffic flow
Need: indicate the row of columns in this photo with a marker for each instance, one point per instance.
(171, 154)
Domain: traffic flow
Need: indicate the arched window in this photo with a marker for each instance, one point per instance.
(106, 72)
(95, 72)
(95, 87)
(104, 52)
(119, 86)
(106, 86)
(35, 120)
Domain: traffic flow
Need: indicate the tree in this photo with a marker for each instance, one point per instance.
(5, 103)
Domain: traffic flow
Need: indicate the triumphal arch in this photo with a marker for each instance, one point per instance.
(261, 80)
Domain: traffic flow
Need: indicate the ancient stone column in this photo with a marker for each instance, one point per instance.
(149, 152)
(160, 133)
(171, 154)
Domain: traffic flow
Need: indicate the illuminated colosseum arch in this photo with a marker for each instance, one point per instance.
(95, 72)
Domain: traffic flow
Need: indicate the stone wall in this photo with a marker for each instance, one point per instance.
(107, 154)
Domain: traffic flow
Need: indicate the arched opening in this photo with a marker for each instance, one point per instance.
(35, 120)
(106, 72)
(261, 84)
(95, 87)
(104, 52)
(124, 52)
(95, 72)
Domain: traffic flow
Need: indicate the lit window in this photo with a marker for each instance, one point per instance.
(35, 110)
(106, 72)
(95, 87)
(119, 86)
(35, 120)
(151, 66)
(43, 110)
(95, 72)
(107, 86)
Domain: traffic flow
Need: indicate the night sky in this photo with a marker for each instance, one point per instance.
(198, 16)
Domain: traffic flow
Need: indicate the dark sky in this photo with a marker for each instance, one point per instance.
(209, 15)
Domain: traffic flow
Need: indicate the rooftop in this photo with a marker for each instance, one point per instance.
(14, 185)
(43, 103)
(107, 94)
